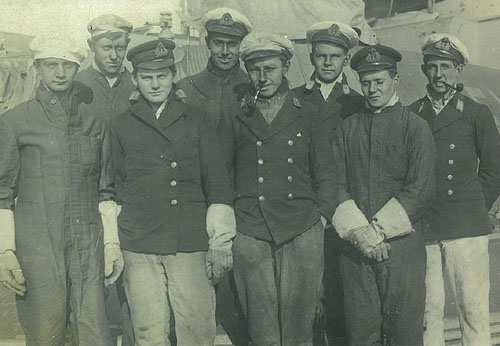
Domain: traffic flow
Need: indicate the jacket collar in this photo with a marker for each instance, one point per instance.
(254, 120)
(449, 114)
(101, 77)
(213, 69)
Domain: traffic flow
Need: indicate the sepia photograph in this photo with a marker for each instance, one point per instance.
(249, 173)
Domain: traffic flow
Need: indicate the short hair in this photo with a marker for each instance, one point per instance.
(392, 72)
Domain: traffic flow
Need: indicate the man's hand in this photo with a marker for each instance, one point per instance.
(381, 252)
(365, 238)
(217, 263)
(11, 275)
(113, 263)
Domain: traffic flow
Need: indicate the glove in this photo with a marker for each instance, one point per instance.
(11, 274)
(218, 262)
(113, 263)
(221, 226)
(365, 238)
(392, 220)
(380, 252)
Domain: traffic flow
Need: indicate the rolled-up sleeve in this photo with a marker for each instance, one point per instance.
(9, 165)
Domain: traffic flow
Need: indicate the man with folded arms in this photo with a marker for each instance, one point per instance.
(386, 158)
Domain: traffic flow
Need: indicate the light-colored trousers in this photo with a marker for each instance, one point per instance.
(157, 285)
(466, 262)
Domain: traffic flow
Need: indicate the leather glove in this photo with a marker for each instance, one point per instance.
(365, 238)
(113, 263)
(218, 262)
(380, 252)
(11, 274)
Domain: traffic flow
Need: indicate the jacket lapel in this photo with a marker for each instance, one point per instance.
(171, 113)
(447, 116)
(286, 115)
(253, 119)
(145, 113)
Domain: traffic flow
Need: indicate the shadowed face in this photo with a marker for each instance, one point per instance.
(224, 50)
(267, 74)
(378, 87)
(328, 60)
(440, 71)
(109, 52)
(154, 85)
(57, 74)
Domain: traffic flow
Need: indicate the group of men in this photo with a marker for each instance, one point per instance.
(311, 199)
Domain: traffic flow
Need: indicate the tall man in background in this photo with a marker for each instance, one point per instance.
(386, 157)
(112, 85)
(328, 90)
(217, 90)
(468, 183)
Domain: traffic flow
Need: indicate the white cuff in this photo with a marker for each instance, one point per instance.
(109, 212)
(221, 226)
(347, 217)
(392, 220)
(7, 231)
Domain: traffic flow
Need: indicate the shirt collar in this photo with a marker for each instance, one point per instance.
(161, 108)
(326, 88)
(437, 106)
(393, 100)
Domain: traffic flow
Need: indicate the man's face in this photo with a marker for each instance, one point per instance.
(109, 52)
(439, 71)
(328, 60)
(266, 74)
(57, 74)
(154, 85)
(224, 50)
(378, 87)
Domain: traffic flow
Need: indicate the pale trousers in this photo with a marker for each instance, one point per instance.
(466, 262)
(159, 286)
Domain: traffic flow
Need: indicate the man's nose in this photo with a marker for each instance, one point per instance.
(113, 54)
(60, 73)
(262, 76)
(154, 83)
(372, 88)
(439, 73)
(225, 50)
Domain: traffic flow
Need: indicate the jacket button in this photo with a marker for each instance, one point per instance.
(259, 143)
(162, 156)
(290, 160)
(452, 146)
(260, 161)
(451, 162)
(262, 198)
(449, 177)
(53, 101)
(173, 183)
(289, 178)
(173, 202)
(290, 142)
(260, 179)
(449, 192)
(173, 164)
(290, 196)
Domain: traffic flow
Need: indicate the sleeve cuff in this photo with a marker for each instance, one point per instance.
(392, 220)
(347, 217)
(109, 213)
(7, 231)
(221, 226)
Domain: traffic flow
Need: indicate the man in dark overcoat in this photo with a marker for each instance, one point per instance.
(386, 158)
(284, 183)
(467, 185)
(55, 159)
(176, 222)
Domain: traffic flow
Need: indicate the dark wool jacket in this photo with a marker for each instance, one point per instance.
(467, 167)
(168, 171)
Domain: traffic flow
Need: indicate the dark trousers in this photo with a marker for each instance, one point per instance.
(384, 302)
(279, 286)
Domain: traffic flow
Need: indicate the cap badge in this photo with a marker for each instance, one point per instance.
(333, 30)
(160, 51)
(373, 56)
(443, 44)
(226, 19)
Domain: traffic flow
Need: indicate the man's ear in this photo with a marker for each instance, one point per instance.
(396, 78)
(91, 45)
(311, 58)
(459, 68)
(346, 60)
(134, 78)
(423, 69)
(207, 41)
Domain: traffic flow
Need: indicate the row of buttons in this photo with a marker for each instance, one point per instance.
(259, 143)
(261, 162)
(263, 198)
(261, 179)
